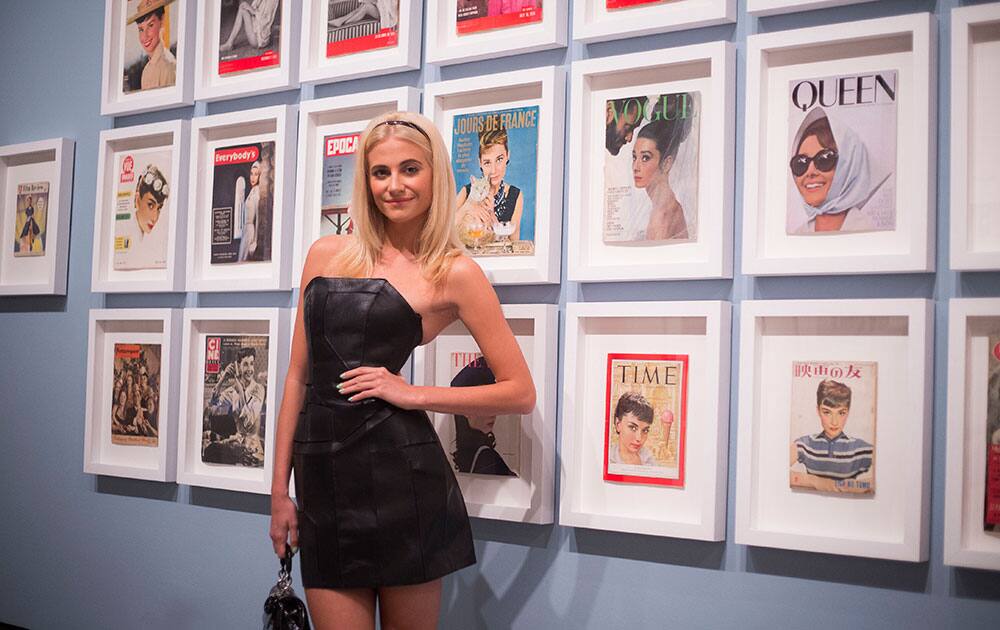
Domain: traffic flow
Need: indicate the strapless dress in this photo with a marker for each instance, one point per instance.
(378, 501)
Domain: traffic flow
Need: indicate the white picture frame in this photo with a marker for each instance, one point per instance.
(133, 325)
(48, 161)
(906, 44)
(318, 118)
(701, 329)
(764, 8)
(975, 62)
(173, 135)
(897, 334)
(210, 85)
(276, 124)
(445, 46)
(594, 22)
(198, 324)
(114, 100)
(970, 322)
(709, 68)
(530, 496)
(316, 67)
(542, 87)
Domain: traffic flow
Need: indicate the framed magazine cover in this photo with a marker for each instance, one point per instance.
(233, 364)
(504, 465)
(764, 8)
(972, 467)
(636, 372)
(36, 184)
(246, 47)
(676, 220)
(601, 20)
(240, 198)
(460, 31)
(833, 451)
(975, 63)
(860, 98)
(345, 39)
(329, 130)
(148, 55)
(132, 396)
(504, 132)
(141, 208)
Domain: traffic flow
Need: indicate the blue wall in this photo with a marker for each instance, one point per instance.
(80, 551)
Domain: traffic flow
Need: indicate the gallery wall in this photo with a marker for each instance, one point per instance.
(85, 551)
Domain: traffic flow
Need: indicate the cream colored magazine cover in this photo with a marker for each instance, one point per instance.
(142, 205)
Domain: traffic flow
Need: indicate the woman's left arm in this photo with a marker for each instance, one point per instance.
(477, 306)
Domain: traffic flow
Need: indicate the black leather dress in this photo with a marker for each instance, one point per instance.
(378, 502)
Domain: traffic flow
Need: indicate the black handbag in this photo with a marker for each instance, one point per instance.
(283, 610)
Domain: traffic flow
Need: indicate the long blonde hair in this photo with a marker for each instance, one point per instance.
(438, 244)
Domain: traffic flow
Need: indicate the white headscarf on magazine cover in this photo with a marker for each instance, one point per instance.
(851, 186)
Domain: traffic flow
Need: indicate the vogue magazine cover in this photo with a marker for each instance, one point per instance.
(645, 418)
(651, 153)
(842, 154)
(249, 35)
(31, 212)
(475, 16)
(494, 156)
(242, 203)
(143, 199)
(833, 426)
(358, 25)
(235, 400)
(135, 395)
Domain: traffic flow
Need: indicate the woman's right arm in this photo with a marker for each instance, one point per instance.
(284, 520)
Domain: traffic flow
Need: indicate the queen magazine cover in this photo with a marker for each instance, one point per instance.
(143, 200)
(474, 16)
(991, 522)
(148, 46)
(235, 400)
(494, 156)
(625, 4)
(357, 25)
(337, 182)
(842, 155)
(481, 445)
(135, 395)
(242, 203)
(31, 216)
(249, 35)
(833, 426)
(645, 418)
(651, 168)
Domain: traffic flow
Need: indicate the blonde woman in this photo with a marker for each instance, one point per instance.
(381, 517)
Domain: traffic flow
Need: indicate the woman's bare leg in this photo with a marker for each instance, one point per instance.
(363, 11)
(414, 607)
(342, 609)
(240, 25)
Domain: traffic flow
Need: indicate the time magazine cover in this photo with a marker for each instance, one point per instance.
(473, 16)
(337, 182)
(142, 209)
(31, 213)
(249, 35)
(991, 522)
(494, 156)
(842, 154)
(149, 45)
(357, 25)
(833, 426)
(242, 203)
(645, 418)
(135, 395)
(651, 154)
(235, 400)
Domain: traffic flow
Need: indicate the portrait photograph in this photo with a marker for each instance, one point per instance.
(149, 46)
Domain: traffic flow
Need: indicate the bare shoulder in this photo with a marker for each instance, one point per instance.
(466, 283)
(320, 256)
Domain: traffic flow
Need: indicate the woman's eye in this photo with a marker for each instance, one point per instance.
(412, 170)
(380, 172)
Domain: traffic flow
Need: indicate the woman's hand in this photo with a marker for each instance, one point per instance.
(378, 382)
(284, 524)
